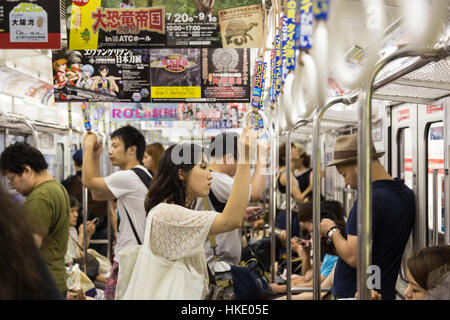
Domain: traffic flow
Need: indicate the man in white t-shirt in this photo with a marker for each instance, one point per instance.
(223, 154)
(126, 152)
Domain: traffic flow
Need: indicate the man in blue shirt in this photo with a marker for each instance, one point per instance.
(393, 214)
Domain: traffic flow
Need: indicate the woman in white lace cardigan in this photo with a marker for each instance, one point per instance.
(177, 231)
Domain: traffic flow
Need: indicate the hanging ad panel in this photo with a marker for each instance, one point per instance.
(30, 24)
(242, 27)
(96, 24)
(226, 75)
(107, 75)
(175, 75)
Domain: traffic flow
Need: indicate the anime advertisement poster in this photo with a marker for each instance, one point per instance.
(144, 112)
(220, 115)
(241, 27)
(175, 75)
(108, 75)
(30, 24)
(97, 24)
(226, 75)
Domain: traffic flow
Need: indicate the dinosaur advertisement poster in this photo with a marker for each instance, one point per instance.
(30, 24)
(226, 75)
(241, 27)
(96, 24)
(108, 75)
(196, 22)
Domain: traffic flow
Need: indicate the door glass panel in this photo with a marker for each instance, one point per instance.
(435, 160)
(405, 156)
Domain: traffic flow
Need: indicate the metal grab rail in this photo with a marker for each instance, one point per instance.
(347, 100)
(307, 289)
(288, 206)
(435, 239)
(365, 155)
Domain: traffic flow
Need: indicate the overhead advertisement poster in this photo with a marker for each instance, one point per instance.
(242, 27)
(196, 22)
(220, 115)
(226, 75)
(96, 24)
(108, 75)
(175, 75)
(30, 24)
(144, 112)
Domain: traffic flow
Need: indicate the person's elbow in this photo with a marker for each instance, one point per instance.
(351, 260)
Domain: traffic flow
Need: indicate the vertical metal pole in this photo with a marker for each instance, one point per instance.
(288, 216)
(364, 195)
(273, 193)
(85, 214)
(447, 209)
(316, 205)
(435, 207)
(316, 155)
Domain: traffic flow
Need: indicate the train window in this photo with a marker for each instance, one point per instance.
(435, 160)
(73, 149)
(405, 159)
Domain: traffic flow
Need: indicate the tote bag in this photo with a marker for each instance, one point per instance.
(146, 276)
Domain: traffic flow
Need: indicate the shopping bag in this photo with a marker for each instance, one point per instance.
(146, 276)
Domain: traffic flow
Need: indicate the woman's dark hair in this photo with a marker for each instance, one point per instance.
(131, 137)
(427, 260)
(282, 154)
(19, 276)
(155, 150)
(19, 154)
(167, 186)
(74, 202)
(329, 209)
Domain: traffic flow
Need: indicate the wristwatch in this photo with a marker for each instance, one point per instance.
(330, 234)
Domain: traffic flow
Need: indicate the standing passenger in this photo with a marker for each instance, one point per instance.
(177, 231)
(24, 275)
(393, 212)
(47, 204)
(152, 155)
(127, 151)
(223, 164)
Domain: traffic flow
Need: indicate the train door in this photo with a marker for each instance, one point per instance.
(431, 168)
(403, 156)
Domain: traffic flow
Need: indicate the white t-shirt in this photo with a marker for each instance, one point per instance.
(130, 191)
(179, 233)
(229, 244)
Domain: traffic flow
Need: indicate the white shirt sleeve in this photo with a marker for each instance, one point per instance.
(120, 183)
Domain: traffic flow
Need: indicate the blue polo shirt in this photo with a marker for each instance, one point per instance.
(393, 214)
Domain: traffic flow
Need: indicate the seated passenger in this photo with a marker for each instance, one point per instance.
(75, 244)
(423, 267)
(330, 210)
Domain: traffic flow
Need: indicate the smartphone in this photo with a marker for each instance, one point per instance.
(95, 221)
